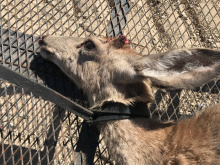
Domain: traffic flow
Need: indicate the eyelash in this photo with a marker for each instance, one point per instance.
(80, 45)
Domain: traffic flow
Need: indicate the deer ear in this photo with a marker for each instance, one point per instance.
(181, 68)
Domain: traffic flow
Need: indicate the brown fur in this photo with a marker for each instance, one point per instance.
(144, 141)
(110, 70)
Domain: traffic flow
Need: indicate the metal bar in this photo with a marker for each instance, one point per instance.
(44, 92)
(118, 17)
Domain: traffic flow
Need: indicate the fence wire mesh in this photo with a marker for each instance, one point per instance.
(36, 131)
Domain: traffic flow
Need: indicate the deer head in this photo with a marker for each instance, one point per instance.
(108, 69)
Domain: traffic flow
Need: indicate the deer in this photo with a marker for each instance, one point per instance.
(113, 74)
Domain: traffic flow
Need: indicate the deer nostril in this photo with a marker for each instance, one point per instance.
(41, 40)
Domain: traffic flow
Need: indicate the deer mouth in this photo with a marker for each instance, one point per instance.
(45, 50)
(42, 43)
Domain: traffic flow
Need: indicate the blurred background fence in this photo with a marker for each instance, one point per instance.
(36, 131)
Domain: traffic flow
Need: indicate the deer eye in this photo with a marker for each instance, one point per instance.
(89, 45)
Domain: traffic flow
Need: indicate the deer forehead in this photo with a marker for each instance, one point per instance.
(105, 50)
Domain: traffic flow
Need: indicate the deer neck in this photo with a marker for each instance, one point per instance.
(98, 97)
(131, 140)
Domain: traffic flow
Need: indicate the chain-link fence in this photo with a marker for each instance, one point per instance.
(36, 131)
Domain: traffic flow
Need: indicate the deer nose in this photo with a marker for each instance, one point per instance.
(41, 40)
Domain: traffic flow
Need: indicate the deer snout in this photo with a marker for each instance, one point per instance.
(57, 48)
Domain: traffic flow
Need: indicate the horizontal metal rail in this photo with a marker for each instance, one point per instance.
(46, 93)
